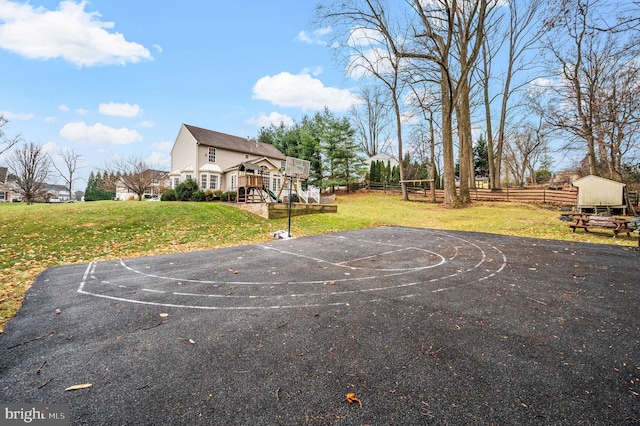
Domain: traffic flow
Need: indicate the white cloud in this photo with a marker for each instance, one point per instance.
(158, 48)
(158, 159)
(99, 134)
(69, 32)
(274, 118)
(119, 110)
(163, 146)
(366, 37)
(147, 124)
(316, 37)
(303, 37)
(543, 82)
(50, 147)
(82, 111)
(8, 115)
(302, 91)
(63, 108)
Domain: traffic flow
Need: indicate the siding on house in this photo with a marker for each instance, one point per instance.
(190, 157)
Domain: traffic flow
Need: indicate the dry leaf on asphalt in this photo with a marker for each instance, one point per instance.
(76, 387)
(193, 342)
(351, 398)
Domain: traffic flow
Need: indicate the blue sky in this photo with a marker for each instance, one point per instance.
(118, 78)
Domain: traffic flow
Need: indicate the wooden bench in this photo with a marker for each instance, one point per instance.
(601, 222)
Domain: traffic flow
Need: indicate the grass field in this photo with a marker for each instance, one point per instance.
(33, 238)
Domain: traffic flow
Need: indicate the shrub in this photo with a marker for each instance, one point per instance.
(209, 195)
(185, 190)
(228, 196)
(169, 195)
(198, 196)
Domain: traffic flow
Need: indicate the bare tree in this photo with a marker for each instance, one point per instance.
(595, 99)
(135, 175)
(32, 166)
(70, 160)
(6, 144)
(521, 31)
(450, 37)
(526, 148)
(372, 51)
(427, 105)
(371, 120)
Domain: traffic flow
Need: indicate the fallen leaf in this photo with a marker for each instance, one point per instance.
(76, 387)
(164, 315)
(193, 342)
(351, 398)
(332, 282)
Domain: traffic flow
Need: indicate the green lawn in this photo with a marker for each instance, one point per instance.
(35, 237)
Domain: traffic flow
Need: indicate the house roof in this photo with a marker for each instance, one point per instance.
(253, 164)
(233, 143)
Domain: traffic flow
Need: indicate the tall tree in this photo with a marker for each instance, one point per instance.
(371, 120)
(70, 160)
(516, 29)
(32, 166)
(594, 98)
(450, 36)
(372, 51)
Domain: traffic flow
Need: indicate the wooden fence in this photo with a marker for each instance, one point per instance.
(563, 197)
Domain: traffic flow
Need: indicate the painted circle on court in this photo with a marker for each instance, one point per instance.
(345, 268)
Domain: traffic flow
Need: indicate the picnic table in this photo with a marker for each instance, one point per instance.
(601, 222)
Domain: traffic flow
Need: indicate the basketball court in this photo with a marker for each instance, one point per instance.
(422, 326)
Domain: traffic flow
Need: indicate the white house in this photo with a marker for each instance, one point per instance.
(213, 159)
(9, 191)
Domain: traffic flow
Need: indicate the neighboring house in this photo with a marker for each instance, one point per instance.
(60, 192)
(386, 159)
(159, 182)
(215, 160)
(9, 190)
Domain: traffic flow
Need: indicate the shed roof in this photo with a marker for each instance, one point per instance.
(233, 143)
(593, 178)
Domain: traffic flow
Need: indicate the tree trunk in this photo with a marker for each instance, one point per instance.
(450, 193)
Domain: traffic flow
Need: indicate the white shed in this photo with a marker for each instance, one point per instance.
(595, 192)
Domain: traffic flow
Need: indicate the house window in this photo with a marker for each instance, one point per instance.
(275, 184)
(203, 184)
(212, 154)
(187, 177)
(176, 182)
(3, 196)
(234, 182)
(213, 182)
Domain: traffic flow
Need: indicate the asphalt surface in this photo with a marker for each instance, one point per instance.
(421, 326)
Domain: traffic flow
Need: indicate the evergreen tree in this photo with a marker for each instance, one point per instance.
(97, 189)
(481, 158)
